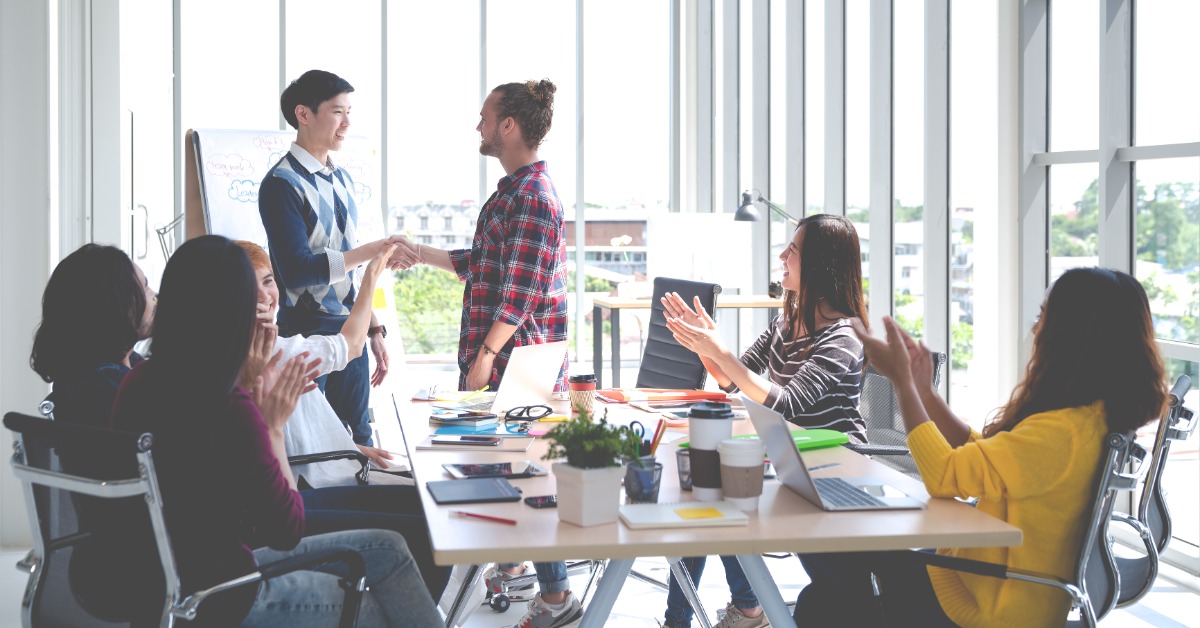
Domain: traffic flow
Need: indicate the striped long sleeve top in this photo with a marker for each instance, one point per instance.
(817, 390)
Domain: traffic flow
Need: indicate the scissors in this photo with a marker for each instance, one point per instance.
(638, 429)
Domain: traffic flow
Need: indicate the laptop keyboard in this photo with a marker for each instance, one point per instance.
(838, 492)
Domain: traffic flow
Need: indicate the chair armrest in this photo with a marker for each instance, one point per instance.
(354, 580)
(363, 476)
(877, 450)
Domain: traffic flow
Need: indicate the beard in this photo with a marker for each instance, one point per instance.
(491, 147)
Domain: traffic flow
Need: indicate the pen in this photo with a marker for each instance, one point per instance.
(824, 466)
(485, 387)
(474, 515)
(659, 430)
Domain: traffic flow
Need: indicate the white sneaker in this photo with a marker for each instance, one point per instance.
(540, 615)
(735, 619)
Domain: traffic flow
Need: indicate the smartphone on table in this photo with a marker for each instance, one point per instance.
(542, 501)
(467, 439)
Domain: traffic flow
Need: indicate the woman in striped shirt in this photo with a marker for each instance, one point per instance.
(807, 365)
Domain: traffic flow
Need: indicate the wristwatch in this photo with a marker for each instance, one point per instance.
(378, 329)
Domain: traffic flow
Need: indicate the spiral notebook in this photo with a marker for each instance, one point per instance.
(682, 515)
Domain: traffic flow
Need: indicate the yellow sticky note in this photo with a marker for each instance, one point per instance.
(698, 513)
(379, 299)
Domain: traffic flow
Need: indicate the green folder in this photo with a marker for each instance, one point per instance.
(806, 439)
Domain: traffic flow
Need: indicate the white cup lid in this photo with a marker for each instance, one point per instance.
(742, 445)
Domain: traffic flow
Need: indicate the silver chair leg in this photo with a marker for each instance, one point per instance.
(689, 589)
(474, 578)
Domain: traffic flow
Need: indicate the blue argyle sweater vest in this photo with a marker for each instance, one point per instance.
(330, 218)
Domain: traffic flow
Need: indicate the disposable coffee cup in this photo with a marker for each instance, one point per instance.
(582, 393)
(709, 423)
(742, 471)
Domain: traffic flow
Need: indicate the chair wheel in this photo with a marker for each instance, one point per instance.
(499, 603)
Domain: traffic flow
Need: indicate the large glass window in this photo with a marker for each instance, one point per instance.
(781, 119)
(1165, 96)
(858, 112)
(1074, 217)
(973, 194)
(814, 108)
(908, 167)
(1074, 74)
(1167, 244)
(230, 80)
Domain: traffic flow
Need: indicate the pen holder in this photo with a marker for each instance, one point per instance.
(683, 463)
(642, 482)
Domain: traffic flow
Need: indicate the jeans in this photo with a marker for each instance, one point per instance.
(395, 594)
(347, 391)
(841, 592)
(551, 577)
(679, 612)
(386, 507)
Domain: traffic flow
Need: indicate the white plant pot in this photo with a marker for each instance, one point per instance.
(588, 497)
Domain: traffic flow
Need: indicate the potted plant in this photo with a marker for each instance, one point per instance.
(589, 480)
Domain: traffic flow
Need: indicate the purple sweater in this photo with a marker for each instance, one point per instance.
(223, 490)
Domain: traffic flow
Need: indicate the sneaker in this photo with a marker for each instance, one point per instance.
(735, 619)
(496, 582)
(540, 615)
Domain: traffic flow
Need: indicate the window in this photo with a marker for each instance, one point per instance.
(424, 223)
(449, 223)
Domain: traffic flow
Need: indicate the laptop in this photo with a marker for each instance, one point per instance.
(833, 494)
(528, 379)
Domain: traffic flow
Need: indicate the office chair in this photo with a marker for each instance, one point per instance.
(1153, 519)
(1095, 583)
(79, 481)
(665, 362)
(362, 476)
(887, 437)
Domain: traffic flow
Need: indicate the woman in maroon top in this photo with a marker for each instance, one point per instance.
(220, 460)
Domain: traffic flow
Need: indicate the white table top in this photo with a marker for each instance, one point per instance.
(785, 522)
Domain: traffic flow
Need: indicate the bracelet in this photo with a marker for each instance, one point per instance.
(487, 350)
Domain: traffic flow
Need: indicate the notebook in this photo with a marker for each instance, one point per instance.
(528, 379)
(830, 493)
(506, 444)
(682, 515)
(472, 491)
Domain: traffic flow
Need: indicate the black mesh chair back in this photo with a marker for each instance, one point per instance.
(666, 363)
(1152, 521)
(886, 436)
(96, 515)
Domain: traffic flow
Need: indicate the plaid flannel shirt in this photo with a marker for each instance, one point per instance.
(515, 271)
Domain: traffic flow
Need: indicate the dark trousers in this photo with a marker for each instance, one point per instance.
(841, 593)
(384, 507)
(347, 391)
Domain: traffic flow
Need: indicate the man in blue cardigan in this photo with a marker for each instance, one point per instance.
(311, 221)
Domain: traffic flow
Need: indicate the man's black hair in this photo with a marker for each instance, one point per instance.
(311, 89)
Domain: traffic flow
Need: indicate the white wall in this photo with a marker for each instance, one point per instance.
(26, 210)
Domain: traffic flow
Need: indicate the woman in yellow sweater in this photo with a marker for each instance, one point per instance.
(1095, 369)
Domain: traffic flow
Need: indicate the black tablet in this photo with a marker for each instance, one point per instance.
(475, 490)
(522, 469)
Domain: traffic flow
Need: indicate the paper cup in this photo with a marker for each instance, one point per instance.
(742, 471)
(582, 394)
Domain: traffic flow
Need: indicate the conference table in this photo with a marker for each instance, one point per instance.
(616, 304)
(784, 522)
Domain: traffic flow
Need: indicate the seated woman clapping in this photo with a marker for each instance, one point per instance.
(1095, 369)
(807, 365)
(217, 510)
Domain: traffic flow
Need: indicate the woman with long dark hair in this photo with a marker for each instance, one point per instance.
(807, 365)
(95, 307)
(1095, 369)
(188, 396)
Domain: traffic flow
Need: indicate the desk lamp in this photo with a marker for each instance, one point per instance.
(747, 212)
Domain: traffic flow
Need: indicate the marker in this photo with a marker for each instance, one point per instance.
(474, 393)
(474, 515)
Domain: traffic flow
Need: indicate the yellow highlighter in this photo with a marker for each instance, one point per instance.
(553, 418)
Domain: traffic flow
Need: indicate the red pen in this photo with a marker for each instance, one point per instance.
(473, 515)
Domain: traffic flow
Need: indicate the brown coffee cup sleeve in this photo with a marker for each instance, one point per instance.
(741, 481)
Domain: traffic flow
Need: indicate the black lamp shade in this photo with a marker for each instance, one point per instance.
(746, 211)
